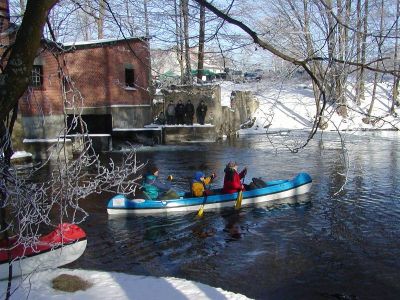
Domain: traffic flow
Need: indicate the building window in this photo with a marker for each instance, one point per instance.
(37, 76)
(129, 78)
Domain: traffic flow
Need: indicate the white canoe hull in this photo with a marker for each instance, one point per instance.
(44, 260)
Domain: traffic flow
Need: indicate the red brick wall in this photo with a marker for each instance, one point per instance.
(46, 100)
(98, 72)
(4, 23)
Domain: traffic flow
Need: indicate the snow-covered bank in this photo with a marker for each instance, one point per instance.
(290, 105)
(110, 285)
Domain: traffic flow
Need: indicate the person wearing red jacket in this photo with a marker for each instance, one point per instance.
(232, 183)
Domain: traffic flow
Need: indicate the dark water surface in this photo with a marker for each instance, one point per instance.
(338, 246)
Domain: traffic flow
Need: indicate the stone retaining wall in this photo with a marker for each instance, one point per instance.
(226, 120)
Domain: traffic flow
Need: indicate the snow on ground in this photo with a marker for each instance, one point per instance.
(21, 154)
(111, 285)
(290, 105)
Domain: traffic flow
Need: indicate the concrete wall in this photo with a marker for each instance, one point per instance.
(182, 134)
(211, 94)
(41, 127)
(48, 149)
(226, 120)
(131, 116)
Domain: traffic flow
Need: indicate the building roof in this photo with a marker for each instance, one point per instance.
(71, 46)
(101, 42)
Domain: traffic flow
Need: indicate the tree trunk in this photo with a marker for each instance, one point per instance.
(17, 73)
(361, 89)
(179, 40)
(14, 81)
(185, 14)
(395, 91)
(331, 74)
(129, 19)
(100, 19)
(310, 51)
(358, 37)
(146, 19)
(22, 5)
(200, 63)
(380, 41)
(341, 69)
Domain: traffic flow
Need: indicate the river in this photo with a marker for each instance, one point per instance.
(342, 244)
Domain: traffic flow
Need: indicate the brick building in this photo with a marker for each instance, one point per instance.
(106, 81)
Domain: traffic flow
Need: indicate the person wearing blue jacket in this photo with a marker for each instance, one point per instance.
(154, 189)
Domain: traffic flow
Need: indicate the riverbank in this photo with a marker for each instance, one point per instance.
(112, 285)
(290, 105)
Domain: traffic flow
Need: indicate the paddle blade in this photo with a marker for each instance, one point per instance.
(238, 203)
(201, 211)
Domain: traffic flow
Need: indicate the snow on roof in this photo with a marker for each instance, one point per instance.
(100, 41)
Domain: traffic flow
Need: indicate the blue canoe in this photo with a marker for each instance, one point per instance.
(274, 190)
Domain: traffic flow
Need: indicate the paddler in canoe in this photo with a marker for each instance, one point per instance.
(200, 182)
(154, 189)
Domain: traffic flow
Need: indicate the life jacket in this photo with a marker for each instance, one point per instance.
(148, 187)
(198, 186)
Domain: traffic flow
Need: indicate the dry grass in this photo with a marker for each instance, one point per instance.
(70, 283)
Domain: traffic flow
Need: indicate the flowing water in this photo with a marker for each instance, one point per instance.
(342, 244)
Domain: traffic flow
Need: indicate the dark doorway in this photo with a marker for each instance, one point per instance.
(95, 124)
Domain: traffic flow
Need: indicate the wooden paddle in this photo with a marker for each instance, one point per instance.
(239, 198)
(238, 202)
(201, 209)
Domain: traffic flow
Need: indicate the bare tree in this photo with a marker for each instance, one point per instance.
(179, 40)
(395, 91)
(146, 18)
(361, 49)
(379, 54)
(185, 15)
(100, 19)
(200, 62)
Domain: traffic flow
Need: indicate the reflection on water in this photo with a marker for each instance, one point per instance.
(335, 246)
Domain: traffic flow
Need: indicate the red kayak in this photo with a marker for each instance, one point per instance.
(61, 246)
